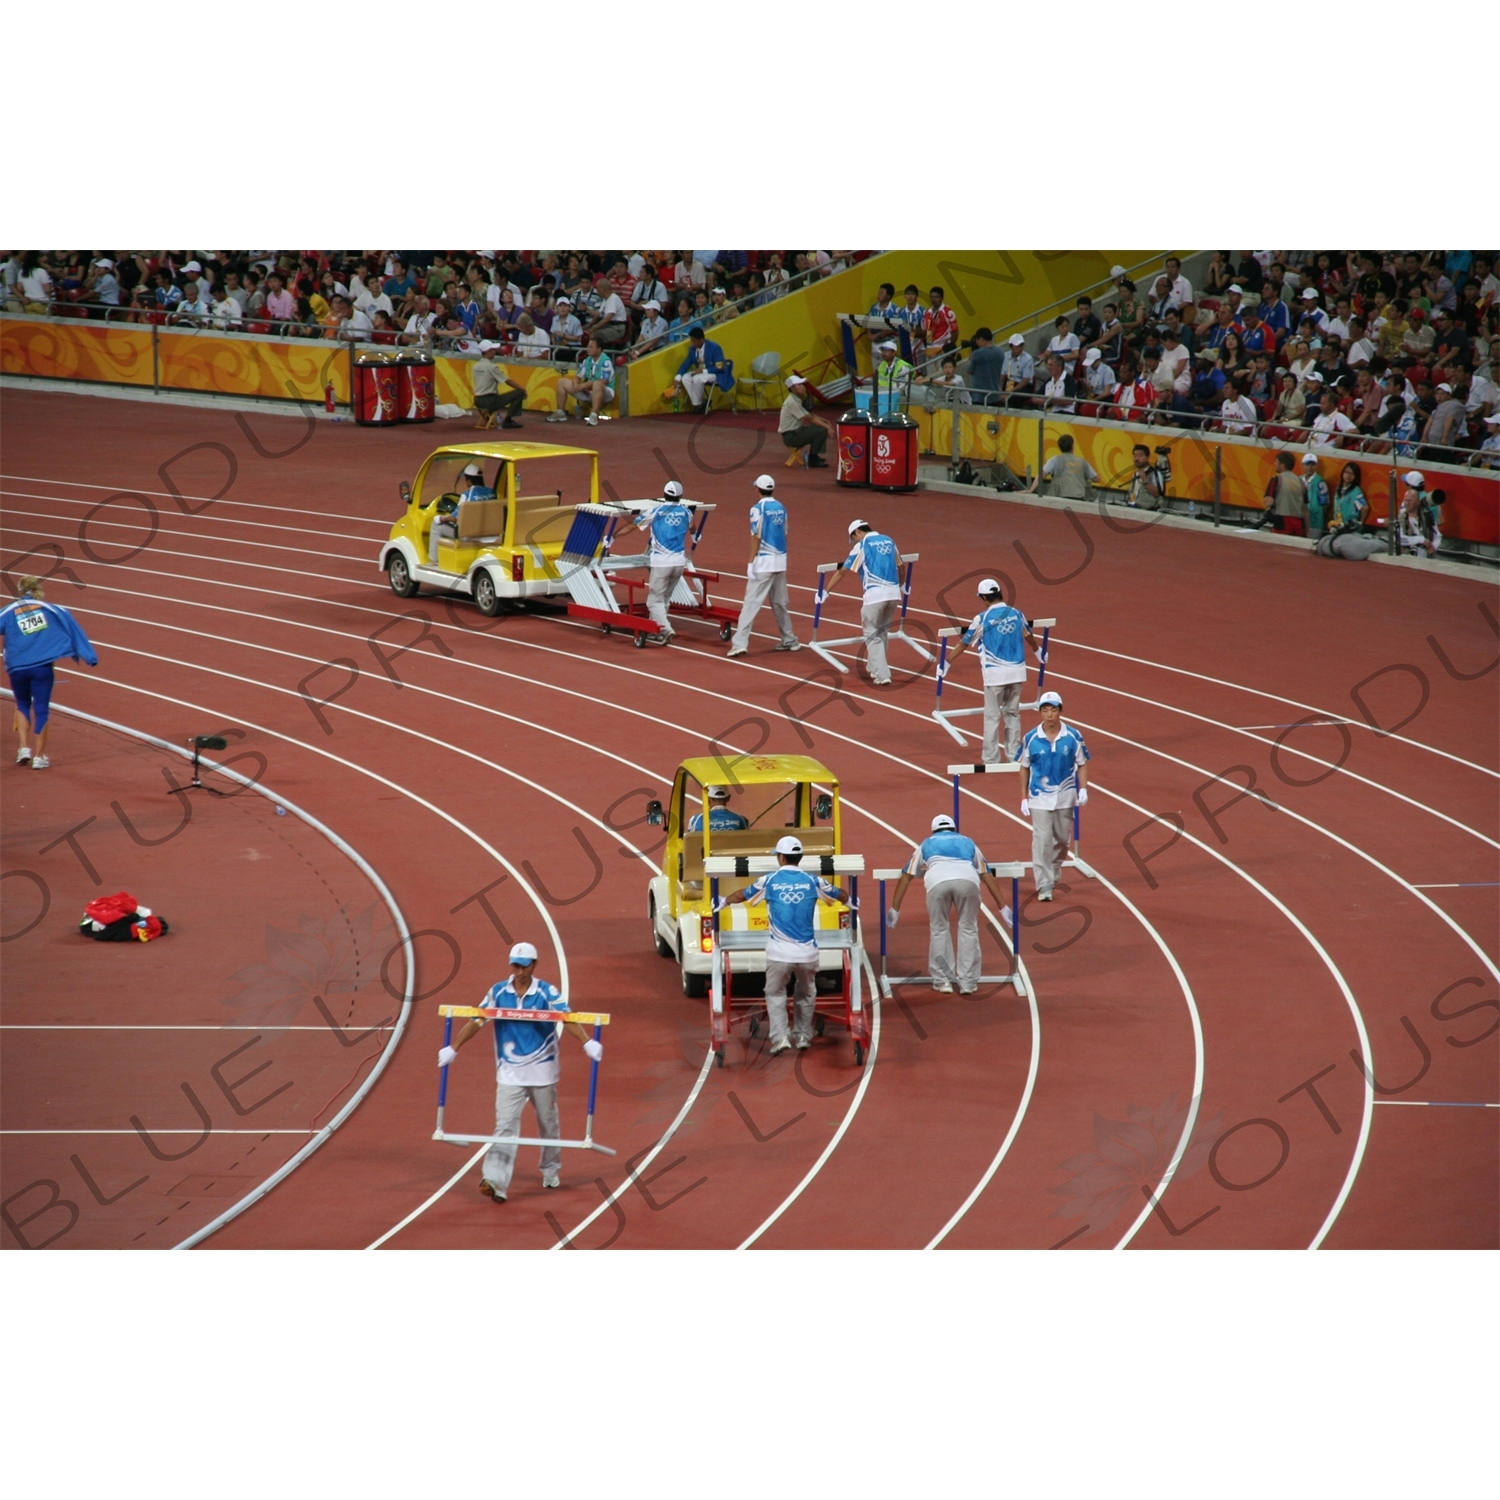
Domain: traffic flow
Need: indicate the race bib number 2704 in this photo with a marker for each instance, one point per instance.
(31, 621)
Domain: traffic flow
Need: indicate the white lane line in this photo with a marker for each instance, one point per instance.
(1338, 979)
(422, 1207)
(1327, 833)
(78, 484)
(1459, 885)
(213, 1132)
(80, 1026)
(1439, 1103)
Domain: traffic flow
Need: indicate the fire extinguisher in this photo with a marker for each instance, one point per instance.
(328, 402)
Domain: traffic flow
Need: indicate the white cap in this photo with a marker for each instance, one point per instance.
(108, 265)
(1092, 357)
(1309, 295)
(473, 471)
(941, 821)
(1310, 458)
(987, 586)
(1236, 288)
(192, 265)
(788, 845)
(485, 345)
(1017, 338)
(1413, 478)
(653, 306)
(765, 484)
(1446, 387)
(858, 526)
(792, 380)
(1313, 378)
(890, 345)
(1117, 270)
(672, 490)
(523, 953)
(716, 793)
(1494, 416)
(568, 302)
(1053, 700)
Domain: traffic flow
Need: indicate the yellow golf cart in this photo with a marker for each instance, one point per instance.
(771, 795)
(506, 548)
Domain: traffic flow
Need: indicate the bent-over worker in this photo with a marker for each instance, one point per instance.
(878, 562)
(1003, 633)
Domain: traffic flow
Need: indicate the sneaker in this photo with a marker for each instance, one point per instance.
(557, 416)
(40, 763)
(22, 756)
(968, 989)
(942, 987)
(881, 681)
(552, 1180)
(777, 1048)
(736, 651)
(803, 1043)
(591, 420)
(1044, 895)
(489, 1190)
(790, 646)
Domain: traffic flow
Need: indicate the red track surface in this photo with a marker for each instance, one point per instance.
(1277, 928)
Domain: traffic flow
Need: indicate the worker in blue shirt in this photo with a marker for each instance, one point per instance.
(1002, 634)
(668, 522)
(951, 868)
(35, 635)
(721, 817)
(1056, 760)
(877, 561)
(445, 524)
(526, 1068)
(791, 896)
(765, 575)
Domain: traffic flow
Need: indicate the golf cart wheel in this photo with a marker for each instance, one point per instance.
(486, 596)
(665, 949)
(695, 986)
(403, 585)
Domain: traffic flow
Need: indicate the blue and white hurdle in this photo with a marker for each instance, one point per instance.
(824, 648)
(943, 715)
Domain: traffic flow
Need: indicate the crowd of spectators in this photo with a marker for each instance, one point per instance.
(1377, 351)
(531, 304)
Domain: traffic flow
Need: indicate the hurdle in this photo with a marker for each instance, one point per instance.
(943, 715)
(824, 648)
(597, 1019)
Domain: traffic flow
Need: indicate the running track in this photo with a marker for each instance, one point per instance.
(1278, 1031)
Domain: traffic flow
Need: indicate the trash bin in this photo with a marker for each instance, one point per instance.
(893, 455)
(376, 387)
(414, 396)
(853, 431)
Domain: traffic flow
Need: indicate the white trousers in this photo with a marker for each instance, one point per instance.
(760, 589)
(1051, 832)
(961, 898)
(876, 620)
(444, 526)
(510, 1100)
(663, 581)
(1002, 699)
(698, 386)
(805, 978)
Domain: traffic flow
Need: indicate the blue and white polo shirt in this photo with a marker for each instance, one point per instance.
(1000, 632)
(668, 524)
(947, 855)
(768, 522)
(878, 564)
(1053, 766)
(791, 897)
(525, 1051)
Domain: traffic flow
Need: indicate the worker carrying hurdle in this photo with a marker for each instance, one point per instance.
(1054, 759)
(951, 868)
(526, 1068)
(1002, 634)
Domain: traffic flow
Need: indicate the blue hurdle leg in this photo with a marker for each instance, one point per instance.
(942, 663)
(882, 926)
(588, 1125)
(955, 803)
(818, 602)
(906, 591)
(1041, 675)
(1015, 919)
(443, 1074)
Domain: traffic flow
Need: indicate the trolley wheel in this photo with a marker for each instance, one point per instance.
(754, 1025)
(725, 631)
(719, 1057)
(821, 1024)
(640, 640)
(607, 629)
(859, 1055)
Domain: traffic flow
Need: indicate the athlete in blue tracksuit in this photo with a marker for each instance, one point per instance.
(791, 897)
(35, 635)
(526, 1068)
(951, 868)
(765, 575)
(668, 522)
(1055, 759)
(878, 562)
(1001, 633)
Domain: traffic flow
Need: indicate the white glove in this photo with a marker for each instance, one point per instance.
(1083, 795)
(720, 903)
(1025, 807)
(942, 670)
(892, 916)
(1042, 657)
(447, 1055)
(593, 1049)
